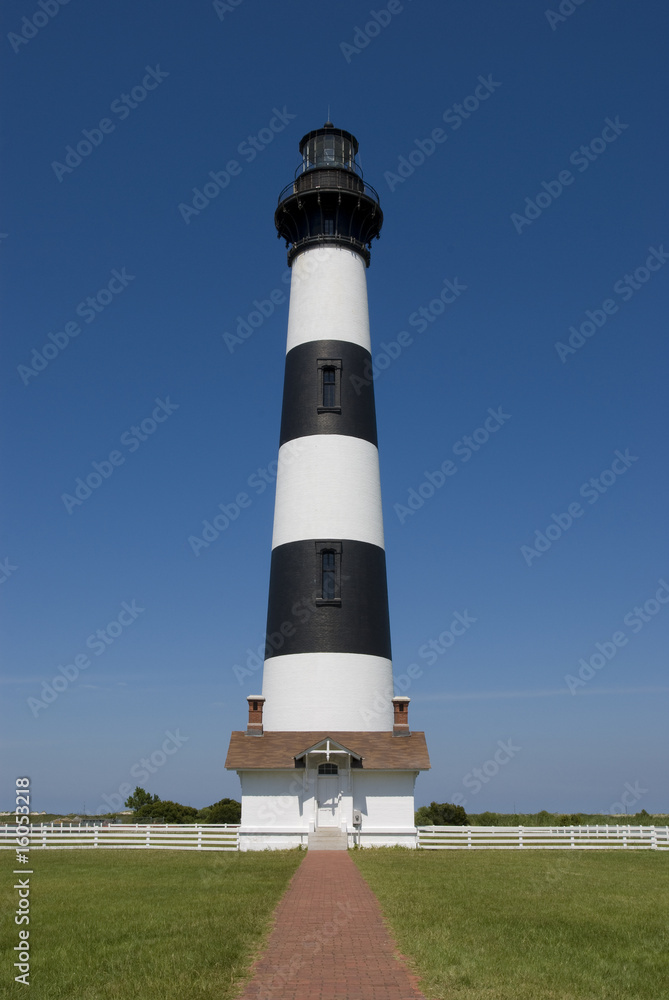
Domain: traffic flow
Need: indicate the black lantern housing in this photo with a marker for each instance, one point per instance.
(328, 203)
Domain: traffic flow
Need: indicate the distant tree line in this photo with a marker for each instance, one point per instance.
(448, 814)
(147, 808)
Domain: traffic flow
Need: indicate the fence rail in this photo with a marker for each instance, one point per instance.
(165, 836)
(439, 838)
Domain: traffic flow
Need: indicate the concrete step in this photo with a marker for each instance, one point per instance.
(327, 840)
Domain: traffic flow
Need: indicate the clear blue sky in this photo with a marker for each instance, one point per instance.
(515, 95)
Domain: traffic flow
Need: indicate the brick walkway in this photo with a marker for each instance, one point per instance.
(329, 941)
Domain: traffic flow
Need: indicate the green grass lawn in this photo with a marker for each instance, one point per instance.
(531, 925)
(480, 925)
(150, 925)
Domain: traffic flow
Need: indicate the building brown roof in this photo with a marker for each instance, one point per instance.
(278, 750)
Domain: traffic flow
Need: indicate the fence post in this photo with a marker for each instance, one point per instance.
(520, 837)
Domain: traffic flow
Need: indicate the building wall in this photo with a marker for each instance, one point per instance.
(279, 808)
(275, 799)
(385, 799)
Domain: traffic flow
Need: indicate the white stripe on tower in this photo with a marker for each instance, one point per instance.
(328, 298)
(328, 486)
(320, 691)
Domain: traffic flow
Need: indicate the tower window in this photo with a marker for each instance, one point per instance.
(328, 574)
(329, 385)
(328, 556)
(328, 768)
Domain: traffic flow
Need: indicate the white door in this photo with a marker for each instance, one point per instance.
(328, 801)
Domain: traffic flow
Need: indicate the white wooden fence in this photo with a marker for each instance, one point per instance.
(225, 837)
(167, 836)
(440, 838)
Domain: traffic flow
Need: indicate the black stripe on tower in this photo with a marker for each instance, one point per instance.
(356, 620)
(350, 398)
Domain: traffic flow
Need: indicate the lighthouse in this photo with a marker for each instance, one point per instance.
(328, 757)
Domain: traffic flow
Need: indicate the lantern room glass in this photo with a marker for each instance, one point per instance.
(329, 151)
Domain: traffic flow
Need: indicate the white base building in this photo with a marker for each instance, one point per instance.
(297, 784)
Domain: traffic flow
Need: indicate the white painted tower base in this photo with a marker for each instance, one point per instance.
(314, 686)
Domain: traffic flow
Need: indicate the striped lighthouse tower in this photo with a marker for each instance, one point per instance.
(328, 660)
(327, 759)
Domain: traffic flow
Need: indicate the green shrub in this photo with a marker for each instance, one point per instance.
(223, 811)
(441, 814)
(488, 819)
(164, 811)
(569, 820)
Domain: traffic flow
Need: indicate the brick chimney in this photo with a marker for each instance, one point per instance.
(401, 715)
(254, 726)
